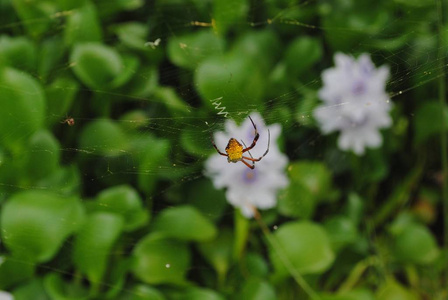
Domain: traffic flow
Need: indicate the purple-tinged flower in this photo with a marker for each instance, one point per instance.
(249, 188)
(355, 102)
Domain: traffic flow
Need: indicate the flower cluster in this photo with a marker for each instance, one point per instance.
(249, 188)
(355, 102)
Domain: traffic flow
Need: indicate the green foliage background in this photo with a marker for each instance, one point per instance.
(116, 206)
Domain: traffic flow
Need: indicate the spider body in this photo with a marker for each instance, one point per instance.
(235, 151)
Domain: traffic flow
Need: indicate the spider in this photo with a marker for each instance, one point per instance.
(69, 120)
(235, 150)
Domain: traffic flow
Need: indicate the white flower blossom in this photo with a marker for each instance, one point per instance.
(355, 102)
(5, 296)
(249, 188)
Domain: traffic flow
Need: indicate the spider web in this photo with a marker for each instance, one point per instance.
(180, 115)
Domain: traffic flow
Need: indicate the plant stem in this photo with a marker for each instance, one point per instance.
(443, 135)
(284, 258)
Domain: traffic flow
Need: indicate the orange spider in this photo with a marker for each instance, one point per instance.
(235, 150)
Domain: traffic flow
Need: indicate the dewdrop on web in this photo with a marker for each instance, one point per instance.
(249, 189)
(355, 102)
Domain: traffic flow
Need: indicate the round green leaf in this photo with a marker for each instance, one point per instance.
(14, 271)
(17, 52)
(184, 223)
(232, 77)
(103, 137)
(429, 120)
(257, 289)
(218, 252)
(94, 242)
(60, 95)
(229, 13)
(159, 259)
(33, 289)
(23, 105)
(43, 155)
(416, 244)
(42, 10)
(58, 289)
(82, 25)
(143, 292)
(36, 223)
(306, 246)
(199, 293)
(341, 231)
(393, 290)
(96, 65)
(310, 184)
(125, 201)
(302, 53)
(189, 50)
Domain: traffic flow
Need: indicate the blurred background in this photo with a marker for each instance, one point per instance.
(110, 187)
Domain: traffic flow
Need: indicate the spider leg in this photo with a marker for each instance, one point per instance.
(267, 150)
(247, 164)
(246, 147)
(257, 135)
(214, 145)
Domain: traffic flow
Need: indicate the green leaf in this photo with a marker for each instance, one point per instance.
(257, 289)
(60, 96)
(58, 289)
(175, 105)
(82, 25)
(51, 51)
(64, 181)
(358, 294)
(184, 223)
(200, 293)
(229, 13)
(142, 292)
(42, 10)
(14, 271)
(31, 290)
(153, 154)
(310, 184)
(393, 290)
(94, 242)
(96, 65)
(17, 52)
(43, 155)
(218, 252)
(125, 201)
(189, 50)
(416, 244)
(341, 231)
(307, 247)
(103, 137)
(159, 259)
(231, 78)
(133, 35)
(23, 106)
(130, 64)
(199, 194)
(36, 223)
(429, 121)
(302, 53)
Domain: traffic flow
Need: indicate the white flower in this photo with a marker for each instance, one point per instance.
(5, 296)
(355, 102)
(248, 188)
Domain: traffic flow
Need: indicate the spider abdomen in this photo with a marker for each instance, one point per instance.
(234, 151)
